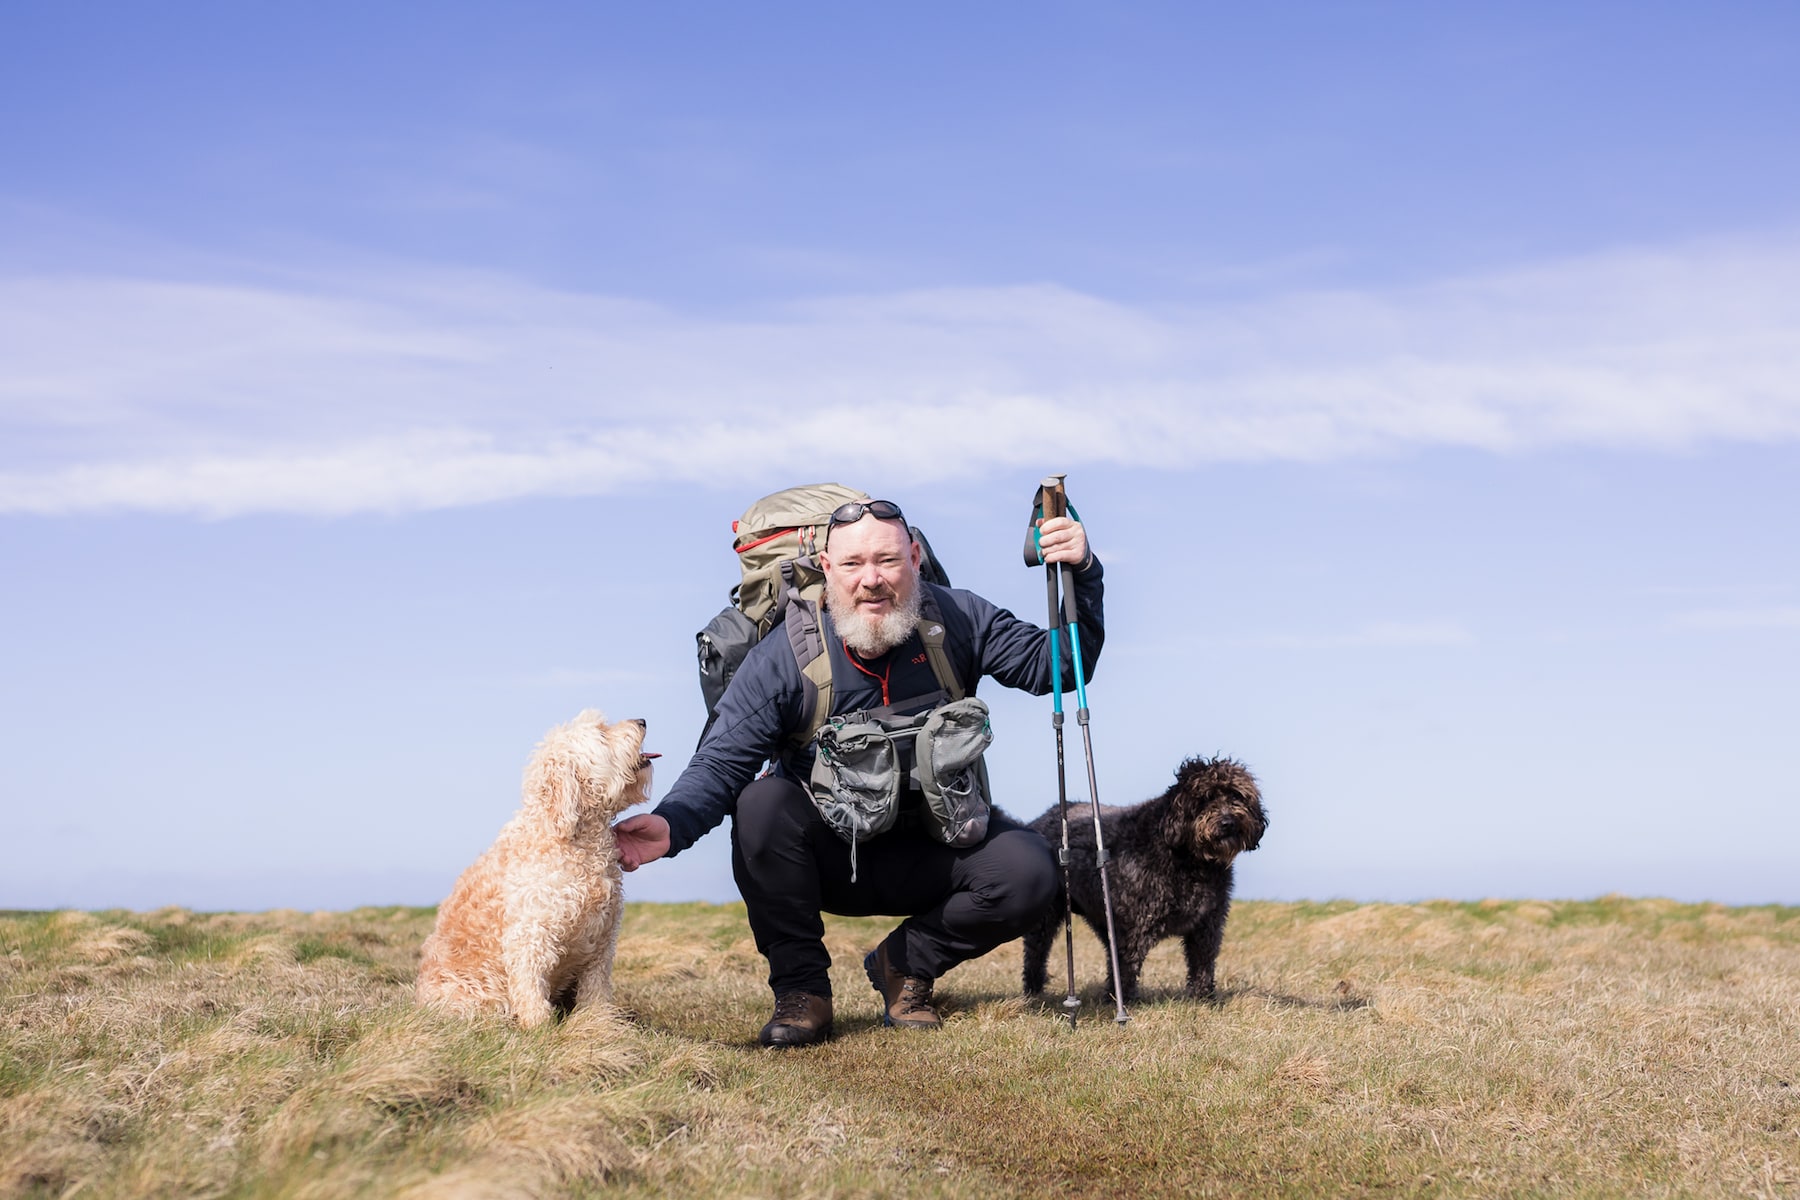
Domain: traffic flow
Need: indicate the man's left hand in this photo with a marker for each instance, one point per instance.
(1062, 540)
(642, 838)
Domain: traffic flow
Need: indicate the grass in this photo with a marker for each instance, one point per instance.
(1615, 1047)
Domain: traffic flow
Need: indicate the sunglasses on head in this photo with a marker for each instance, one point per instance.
(851, 513)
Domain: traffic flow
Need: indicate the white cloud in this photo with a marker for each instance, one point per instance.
(1774, 617)
(572, 677)
(1380, 635)
(414, 389)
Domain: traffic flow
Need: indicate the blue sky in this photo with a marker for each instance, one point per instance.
(377, 391)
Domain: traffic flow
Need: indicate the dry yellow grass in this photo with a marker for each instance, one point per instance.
(1617, 1047)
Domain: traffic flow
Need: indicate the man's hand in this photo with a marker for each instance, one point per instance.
(643, 838)
(1062, 540)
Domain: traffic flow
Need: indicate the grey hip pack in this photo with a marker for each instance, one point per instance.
(865, 763)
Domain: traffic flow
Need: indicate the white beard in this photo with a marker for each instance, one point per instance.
(871, 637)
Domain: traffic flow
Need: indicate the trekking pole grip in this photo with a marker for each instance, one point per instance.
(1051, 501)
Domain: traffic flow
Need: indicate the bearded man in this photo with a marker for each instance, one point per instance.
(959, 902)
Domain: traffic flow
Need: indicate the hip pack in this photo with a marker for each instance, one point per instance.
(866, 762)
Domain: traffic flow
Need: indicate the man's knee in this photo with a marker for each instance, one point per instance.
(767, 817)
(1029, 875)
(1038, 879)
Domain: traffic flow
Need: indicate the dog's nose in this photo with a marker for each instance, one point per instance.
(640, 722)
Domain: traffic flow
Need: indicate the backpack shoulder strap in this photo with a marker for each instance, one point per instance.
(931, 632)
(807, 640)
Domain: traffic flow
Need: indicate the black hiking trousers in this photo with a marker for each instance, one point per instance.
(958, 904)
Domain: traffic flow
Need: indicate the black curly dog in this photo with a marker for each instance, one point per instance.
(1170, 871)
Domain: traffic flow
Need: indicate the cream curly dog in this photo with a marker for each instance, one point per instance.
(533, 924)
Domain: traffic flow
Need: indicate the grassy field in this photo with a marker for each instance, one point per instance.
(1617, 1047)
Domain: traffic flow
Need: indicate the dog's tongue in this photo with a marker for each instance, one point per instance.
(645, 755)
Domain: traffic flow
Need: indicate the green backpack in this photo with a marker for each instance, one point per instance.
(777, 542)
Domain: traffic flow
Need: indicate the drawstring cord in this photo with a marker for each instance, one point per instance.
(882, 678)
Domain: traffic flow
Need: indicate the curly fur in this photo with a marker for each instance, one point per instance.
(533, 924)
(1170, 871)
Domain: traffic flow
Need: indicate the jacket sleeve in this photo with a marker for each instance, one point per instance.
(1017, 653)
(755, 715)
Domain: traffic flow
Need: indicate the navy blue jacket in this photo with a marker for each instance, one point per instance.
(764, 707)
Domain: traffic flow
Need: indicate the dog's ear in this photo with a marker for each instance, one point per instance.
(553, 790)
(1256, 818)
(1193, 782)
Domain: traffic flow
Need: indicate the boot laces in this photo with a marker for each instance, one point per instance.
(915, 995)
(790, 1006)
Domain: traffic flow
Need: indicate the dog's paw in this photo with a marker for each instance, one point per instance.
(531, 1011)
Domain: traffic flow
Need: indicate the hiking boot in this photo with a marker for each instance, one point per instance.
(800, 1019)
(907, 998)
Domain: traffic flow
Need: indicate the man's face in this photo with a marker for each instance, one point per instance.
(872, 566)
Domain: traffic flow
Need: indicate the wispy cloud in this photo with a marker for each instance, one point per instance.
(1379, 635)
(411, 389)
(561, 677)
(1762, 618)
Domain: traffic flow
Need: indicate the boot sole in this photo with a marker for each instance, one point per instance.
(823, 1036)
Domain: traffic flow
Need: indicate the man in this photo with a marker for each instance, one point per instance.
(789, 865)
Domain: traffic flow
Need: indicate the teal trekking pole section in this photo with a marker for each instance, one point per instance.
(1052, 581)
(1053, 501)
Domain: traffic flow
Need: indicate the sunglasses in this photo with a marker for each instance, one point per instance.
(851, 513)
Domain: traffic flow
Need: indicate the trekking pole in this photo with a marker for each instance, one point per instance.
(1049, 489)
(1057, 497)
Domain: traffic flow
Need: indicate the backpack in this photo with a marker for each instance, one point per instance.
(777, 541)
